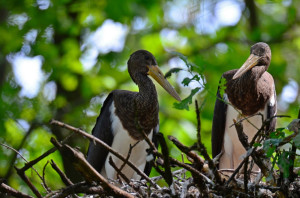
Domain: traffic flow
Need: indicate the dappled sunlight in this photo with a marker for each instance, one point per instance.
(28, 73)
(61, 59)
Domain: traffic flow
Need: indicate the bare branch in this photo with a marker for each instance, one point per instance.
(103, 144)
(21, 173)
(11, 191)
(87, 171)
(63, 177)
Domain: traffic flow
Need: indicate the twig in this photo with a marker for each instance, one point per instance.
(63, 177)
(17, 152)
(128, 156)
(11, 191)
(119, 171)
(43, 180)
(202, 148)
(103, 144)
(81, 187)
(21, 173)
(9, 171)
(52, 150)
(87, 171)
(252, 151)
(197, 160)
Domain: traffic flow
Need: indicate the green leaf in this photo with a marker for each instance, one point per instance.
(256, 144)
(222, 86)
(279, 133)
(184, 104)
(171, 71)
(187, 80)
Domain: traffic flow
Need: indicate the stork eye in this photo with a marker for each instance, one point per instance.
(147, 58)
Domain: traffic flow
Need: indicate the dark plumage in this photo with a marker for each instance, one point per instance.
(249, 90)
(126, 114)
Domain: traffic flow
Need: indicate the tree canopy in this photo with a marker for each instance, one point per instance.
(59, 59)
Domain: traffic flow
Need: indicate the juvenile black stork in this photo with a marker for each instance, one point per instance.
(125, 114)
(248, 91)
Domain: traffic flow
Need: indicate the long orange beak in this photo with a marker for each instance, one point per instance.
(250, 62)
(155, 73)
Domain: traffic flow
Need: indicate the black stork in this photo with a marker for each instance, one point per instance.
(248, 91)
(125, 114)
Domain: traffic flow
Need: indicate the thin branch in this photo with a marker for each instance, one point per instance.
(197, 160)
(11, 191)
(52, 150)
(202, 148)
(17, 152)
(21, 173)
(103, 144)
(63, 177)
(43, 180)
(81, 187)
(119, 171)
(87, 171)
(14, 158)
(128, 156)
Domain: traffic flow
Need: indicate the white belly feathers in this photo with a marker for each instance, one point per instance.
(121, 143)
(233, 149)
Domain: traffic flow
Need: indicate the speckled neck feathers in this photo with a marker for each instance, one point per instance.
(250, 92)
(138, 111)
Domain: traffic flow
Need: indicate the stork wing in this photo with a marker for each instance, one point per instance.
(218, 127)
(96, 155)
(148, 165)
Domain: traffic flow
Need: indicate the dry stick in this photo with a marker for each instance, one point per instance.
(9, 171)
(63, 177)
(202, 148)
(87, 171)
(172, 160)
(103, 144)
(81, 187)
(11, 191)
(21, 173)
(21, 157)
(244, 140)
(43, 180)
(127, 158)
(199, 162)
(264, 124)
(52, 150)
(119, 171)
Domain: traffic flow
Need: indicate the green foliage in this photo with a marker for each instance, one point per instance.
(279, 153)
(171, 71)
(184, 104)
(62, 30)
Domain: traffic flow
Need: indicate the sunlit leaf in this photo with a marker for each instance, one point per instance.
(172, 71)
(184, 104)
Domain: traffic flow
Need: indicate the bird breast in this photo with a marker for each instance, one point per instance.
(136, 117)
(249, 95)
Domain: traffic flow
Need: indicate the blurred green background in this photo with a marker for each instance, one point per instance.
(59, 59)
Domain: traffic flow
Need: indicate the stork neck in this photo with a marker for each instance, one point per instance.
(147, 92)
(254, 74)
